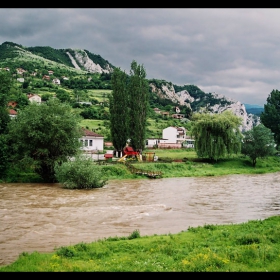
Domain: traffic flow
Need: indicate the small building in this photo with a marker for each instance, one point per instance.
(157, 110)
(189, 142)
(56, 81)
(165, 114)
(108, 157)
(154, 142)
(20, 71)
(12, 113)
(34, 98)
(46, 77)
(91, 142)
(178, 116)
(174, 134)
(12, 104)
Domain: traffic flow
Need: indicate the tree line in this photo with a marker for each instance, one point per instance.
(45, 137)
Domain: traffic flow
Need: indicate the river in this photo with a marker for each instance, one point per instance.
(41, 217)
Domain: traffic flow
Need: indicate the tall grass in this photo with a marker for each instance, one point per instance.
(253, 246)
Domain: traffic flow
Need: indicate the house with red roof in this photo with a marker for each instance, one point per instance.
(91, 142)
(12, 113)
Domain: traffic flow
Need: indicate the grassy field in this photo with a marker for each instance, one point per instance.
(184, 163)
(253, 246)
(172, 163)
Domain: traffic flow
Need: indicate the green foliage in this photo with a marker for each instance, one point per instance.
(59, 56)
(248, 247)
(216, 135)
(139, 105)
(80, 173)
(4, 156)
(44, 134)
(258, 142)
(134, 234)
(46, 96)
(119, 112)
(63, 95)
(271, 115)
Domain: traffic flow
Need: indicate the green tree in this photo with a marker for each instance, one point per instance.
(258, 143)
(271, 115)
(46, 96)
(119, 111)
(63, 95)
(80, 173)
(216, 135)
(6, 84)
(4, 156)
(44, 134)
(139, 105)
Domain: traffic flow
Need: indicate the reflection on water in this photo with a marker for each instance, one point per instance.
(40, 217)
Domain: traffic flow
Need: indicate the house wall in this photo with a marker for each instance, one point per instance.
(92, 144)
(189, 143)
(169, 145)
(150, 143)
(35, 98)
(170, 133)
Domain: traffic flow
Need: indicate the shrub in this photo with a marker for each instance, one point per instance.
(80, 173)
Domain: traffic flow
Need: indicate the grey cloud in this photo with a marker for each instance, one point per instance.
(233, 52)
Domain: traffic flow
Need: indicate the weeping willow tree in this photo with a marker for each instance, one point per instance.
(216, 135)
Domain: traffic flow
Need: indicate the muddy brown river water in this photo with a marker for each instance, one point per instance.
(41, 217)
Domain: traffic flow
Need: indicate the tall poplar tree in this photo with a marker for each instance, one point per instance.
(138, 104)
(118, 107)
(216, 135)
(270, 117)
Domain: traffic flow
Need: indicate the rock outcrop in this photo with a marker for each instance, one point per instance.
(223, 103)
(81, 58)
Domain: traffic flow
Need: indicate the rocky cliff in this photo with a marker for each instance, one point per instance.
(222, 103)
(81, 58)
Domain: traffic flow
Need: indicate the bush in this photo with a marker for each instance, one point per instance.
(80, 173)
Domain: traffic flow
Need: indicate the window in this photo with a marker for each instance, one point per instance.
(86, 143)
(90, 142)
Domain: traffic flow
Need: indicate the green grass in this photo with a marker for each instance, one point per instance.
(190, 166)
(253, 246)
(95, 125)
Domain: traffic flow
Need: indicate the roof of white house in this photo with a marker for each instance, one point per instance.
(87, 132)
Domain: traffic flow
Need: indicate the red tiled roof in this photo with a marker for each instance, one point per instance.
(12, 112)
(129, 149)
(108, 155)
(87, 132)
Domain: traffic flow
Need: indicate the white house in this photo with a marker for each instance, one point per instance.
(12, 113)
(174, 134)
(153, 142)
(91, 141)
(189, 142)
(34, 97)
(56, 81)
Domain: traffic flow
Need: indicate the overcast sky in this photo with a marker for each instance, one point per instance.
(233, 52)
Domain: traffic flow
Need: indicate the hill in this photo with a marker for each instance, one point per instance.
(47, 70)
